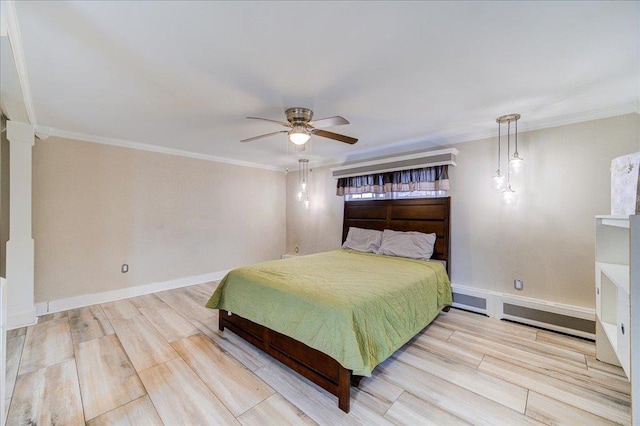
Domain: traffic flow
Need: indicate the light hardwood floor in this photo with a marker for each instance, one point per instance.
(160, 359)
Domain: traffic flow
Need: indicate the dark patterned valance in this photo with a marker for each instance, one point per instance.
(424, 179)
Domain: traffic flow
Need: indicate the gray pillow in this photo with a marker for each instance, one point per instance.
(366, 240)
(414, 245)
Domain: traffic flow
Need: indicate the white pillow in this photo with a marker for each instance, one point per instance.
(414, 245)
(366, 240)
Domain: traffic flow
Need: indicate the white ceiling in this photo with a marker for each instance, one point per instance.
(183, 75)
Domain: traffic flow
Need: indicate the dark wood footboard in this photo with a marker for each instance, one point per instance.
(316, 366)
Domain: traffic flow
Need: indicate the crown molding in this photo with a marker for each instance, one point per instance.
(15, 39)
(450, 137)
(155, 148)
(367, 154)
(595, 114)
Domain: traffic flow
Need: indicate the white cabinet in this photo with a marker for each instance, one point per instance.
(612, 291)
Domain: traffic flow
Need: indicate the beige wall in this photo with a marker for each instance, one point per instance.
(547, 239)
(320, 227)
(96, 207)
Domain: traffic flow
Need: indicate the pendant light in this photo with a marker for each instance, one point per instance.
(515, 164)
(303, 179)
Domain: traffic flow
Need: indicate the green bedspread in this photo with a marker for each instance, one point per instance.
(356, 307)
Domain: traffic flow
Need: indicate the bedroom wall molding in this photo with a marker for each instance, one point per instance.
(560, 317)
(67, 134)
(60, 305)
(438, 157)
(451, 137)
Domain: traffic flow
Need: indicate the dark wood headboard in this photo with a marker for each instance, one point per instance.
(428, 215)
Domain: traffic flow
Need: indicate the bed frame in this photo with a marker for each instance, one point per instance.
(429, 215)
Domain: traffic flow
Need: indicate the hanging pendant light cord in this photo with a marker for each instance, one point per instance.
(499, 125)
(508, 150)
(515, 154)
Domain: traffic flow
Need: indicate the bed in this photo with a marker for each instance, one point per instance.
(334, 316)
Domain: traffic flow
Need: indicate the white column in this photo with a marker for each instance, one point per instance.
(20, 248)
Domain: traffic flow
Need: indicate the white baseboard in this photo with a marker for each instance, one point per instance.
(60, 305)
(22, 318)
(495, 302)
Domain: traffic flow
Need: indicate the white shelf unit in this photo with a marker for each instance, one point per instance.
(613, 343)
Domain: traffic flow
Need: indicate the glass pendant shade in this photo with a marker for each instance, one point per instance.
(509, 197)
(306, 204)
(299, 135)
(299, 195)
(499, 182)
(516, 164)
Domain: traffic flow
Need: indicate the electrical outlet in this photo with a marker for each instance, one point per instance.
(125, 268)
(518, 284)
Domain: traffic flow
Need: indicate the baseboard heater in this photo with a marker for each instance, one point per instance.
(566, 319)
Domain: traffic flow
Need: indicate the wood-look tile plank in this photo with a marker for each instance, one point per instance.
(46, 344)
(410, 410)
(567, 371)
(238, 389)
(199, 295)
(586, 347)
(493, 388)
(120, 310)
(315, 402)
(21, 331)
(148, 301)
(13, 354)
(603, 367)
(107, 378)
(142, 343)
(460, 402)
(247, 354)
(616, 409)
(434, 331)
(490, 324)
(380, 390)
(530, 345)
(140, 412)
(48, 396)
(187, 306)
(53, 316)
(460, 354)
(275, 410)
(171, 325)
(88, 323)
(208, 288)
(552, 412)
(190, 402)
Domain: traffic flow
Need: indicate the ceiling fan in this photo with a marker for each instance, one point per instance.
(301, 127)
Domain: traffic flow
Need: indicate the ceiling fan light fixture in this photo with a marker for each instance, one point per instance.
(299, 135)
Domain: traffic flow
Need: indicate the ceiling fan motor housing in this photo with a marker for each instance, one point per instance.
(299, 115)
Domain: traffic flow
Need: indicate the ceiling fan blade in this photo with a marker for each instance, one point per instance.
(282, 123)
(262, 136)
(328, 122)
(335, 136)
